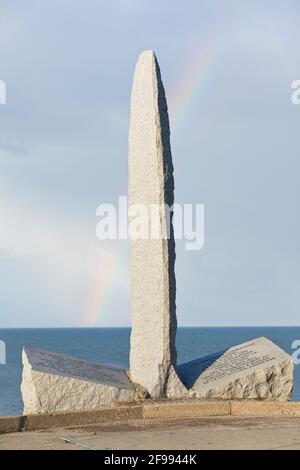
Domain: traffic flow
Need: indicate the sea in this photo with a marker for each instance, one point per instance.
(110, 346)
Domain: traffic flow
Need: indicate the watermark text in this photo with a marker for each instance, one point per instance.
(2, 92)
(296, 353)
(2, 353)
(152, 222)
(296, 93)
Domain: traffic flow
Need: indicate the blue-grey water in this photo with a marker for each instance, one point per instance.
(111, 346)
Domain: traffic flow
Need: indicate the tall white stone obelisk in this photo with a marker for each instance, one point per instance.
(152, 352)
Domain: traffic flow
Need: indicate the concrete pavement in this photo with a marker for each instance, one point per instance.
(214, 433)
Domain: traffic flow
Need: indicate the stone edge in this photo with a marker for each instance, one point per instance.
(148, 410)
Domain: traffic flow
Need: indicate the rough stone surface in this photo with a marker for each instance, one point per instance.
(256, 369)
(154, 325)
(140, 392)
(44, 392)
(175, 388)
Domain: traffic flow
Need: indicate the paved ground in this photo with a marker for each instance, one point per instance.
(201, 433)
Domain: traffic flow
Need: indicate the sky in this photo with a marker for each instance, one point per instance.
(227, 68)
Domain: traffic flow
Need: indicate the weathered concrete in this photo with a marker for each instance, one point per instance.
(264, 408)
(10, 424)
(186, 409)
(105, 414)
(153, 288)
(215, 433)
(150, 409)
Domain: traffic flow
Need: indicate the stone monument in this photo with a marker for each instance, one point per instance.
(257, 369)
(153, 285)
(54, 382)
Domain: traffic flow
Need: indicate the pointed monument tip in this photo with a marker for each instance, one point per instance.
(148, 54)
(146, 63)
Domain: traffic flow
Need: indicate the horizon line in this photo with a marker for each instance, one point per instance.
(129, 327)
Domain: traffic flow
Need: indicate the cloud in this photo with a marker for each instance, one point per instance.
(6, 252)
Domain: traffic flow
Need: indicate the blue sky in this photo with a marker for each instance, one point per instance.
(68, 67)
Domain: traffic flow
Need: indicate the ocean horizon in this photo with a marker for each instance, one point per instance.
(110, 346)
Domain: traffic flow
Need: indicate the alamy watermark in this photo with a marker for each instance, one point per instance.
(296, 93)
(2, 353)
(154, 222)
(2, 92)
(296, 353)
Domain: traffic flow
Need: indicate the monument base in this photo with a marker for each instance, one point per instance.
(256, 370)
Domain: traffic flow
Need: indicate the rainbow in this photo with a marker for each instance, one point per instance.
(191, 84)
(182, 101)
(102, 288)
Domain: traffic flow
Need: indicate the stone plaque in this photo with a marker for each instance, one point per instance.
(65, 366)
(259, 359)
